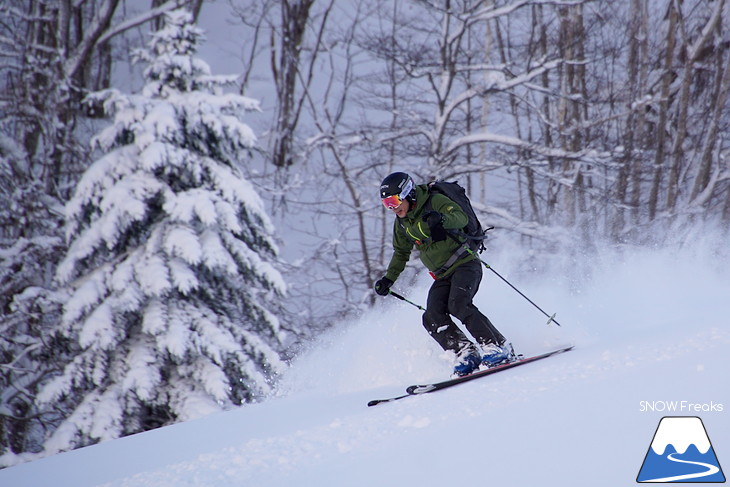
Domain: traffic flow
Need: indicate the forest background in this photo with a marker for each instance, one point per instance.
(572, 124)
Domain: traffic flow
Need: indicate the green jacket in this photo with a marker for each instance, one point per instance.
(412, 231)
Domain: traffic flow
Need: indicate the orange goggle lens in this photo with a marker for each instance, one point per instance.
(392, 202)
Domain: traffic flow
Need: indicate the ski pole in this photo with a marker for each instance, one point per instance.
(551, 318)
(396, 295)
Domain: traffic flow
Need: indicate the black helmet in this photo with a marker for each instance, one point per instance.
(399, 184)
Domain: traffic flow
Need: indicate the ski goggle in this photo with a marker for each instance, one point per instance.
(392, 202)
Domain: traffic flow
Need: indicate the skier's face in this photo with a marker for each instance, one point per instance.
(402, 209)
(398, 205)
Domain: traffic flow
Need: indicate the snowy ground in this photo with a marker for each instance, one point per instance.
(650, 328)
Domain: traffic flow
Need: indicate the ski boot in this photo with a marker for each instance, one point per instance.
(497, 354)
(468, 363)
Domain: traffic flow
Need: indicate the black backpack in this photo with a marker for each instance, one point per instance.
(473, 231)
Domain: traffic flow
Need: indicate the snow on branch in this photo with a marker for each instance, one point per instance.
(142, 18)
(482, 137)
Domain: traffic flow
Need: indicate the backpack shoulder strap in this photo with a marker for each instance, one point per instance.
(427, 206)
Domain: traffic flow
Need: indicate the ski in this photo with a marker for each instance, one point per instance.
(415, 390)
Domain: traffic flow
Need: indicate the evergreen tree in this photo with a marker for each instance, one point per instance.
(30, 246)
(171, 268)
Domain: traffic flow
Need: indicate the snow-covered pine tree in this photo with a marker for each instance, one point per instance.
(171, 267)
(31, 245)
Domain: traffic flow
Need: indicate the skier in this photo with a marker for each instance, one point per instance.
(457, 273)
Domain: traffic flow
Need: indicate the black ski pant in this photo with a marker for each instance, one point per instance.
(452, 296)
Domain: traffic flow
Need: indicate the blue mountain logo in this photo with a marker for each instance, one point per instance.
(680, 452)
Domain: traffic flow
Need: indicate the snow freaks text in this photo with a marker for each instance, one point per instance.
(680, 407)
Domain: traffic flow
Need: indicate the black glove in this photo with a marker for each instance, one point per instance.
(382, 286)
(435, 222)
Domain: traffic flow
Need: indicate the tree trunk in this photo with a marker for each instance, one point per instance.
(663, 107)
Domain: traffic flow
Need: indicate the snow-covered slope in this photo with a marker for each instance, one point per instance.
(651, 334)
